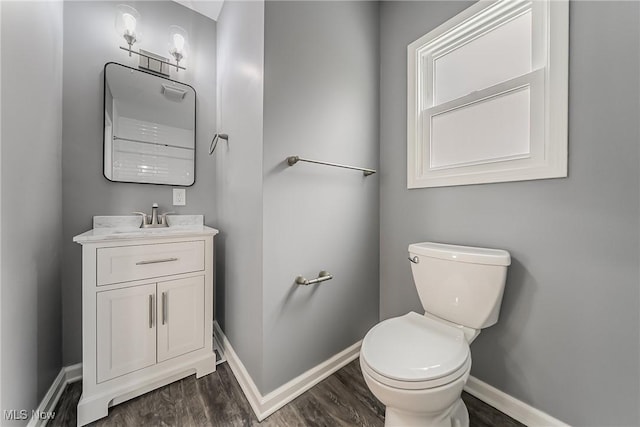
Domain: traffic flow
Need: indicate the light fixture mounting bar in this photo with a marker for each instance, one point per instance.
(176, 66)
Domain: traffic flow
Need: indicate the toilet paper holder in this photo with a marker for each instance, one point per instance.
(322, 276)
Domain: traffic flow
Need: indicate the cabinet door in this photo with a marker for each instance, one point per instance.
(126, 333)
(180, 317)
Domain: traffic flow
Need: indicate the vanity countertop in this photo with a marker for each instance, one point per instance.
(128, 227)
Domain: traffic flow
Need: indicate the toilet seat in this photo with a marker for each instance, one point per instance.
(415, 352)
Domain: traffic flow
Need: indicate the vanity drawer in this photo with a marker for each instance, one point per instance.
(127, 263)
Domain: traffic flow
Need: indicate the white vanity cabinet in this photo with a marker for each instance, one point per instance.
(147, 312)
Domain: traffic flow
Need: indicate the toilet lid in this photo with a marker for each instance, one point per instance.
(414, 348)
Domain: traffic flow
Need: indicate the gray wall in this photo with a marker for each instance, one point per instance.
(31, 202)
(567, 339)
(321, 101)
(89, 42)
(238, 180)
(320, 68)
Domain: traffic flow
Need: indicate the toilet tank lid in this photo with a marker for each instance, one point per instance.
(461, 253)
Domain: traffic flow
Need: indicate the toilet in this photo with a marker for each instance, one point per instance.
(418, 364)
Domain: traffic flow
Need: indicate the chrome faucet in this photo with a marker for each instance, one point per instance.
(155, 220)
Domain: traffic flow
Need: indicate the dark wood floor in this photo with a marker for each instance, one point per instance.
(343, 399)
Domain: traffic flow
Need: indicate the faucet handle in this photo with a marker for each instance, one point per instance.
(144, 217)
(163, 217)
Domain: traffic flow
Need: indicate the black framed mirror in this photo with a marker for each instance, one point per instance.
(149, 128)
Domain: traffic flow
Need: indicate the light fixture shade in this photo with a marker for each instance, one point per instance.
(128, 23)
(178, 42)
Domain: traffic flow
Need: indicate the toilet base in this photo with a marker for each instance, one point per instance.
(457, 416)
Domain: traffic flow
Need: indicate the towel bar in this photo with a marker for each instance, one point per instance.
(292, 160)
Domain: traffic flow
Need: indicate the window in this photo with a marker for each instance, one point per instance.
(487, 96)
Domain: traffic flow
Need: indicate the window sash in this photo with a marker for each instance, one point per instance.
(534, 81)
(478, 25)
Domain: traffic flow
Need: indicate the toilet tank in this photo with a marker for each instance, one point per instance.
(461, 284)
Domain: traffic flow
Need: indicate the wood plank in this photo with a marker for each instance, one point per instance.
(342, 399)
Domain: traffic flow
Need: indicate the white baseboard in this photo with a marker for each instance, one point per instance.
(67, 375)
(73, 373)
(217, 345)
(263, 406)
(516, 409)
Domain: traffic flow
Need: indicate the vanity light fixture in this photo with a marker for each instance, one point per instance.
(127, 19)
(178, 43)
(127, 26)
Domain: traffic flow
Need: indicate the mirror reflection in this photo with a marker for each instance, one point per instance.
(149, 128)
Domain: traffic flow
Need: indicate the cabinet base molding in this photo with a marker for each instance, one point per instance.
(97, 406)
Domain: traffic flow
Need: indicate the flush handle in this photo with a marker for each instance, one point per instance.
(415, 259)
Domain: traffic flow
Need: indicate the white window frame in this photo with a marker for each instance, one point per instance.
(547, 84)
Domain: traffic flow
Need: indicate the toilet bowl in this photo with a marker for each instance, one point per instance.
(417, 365)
